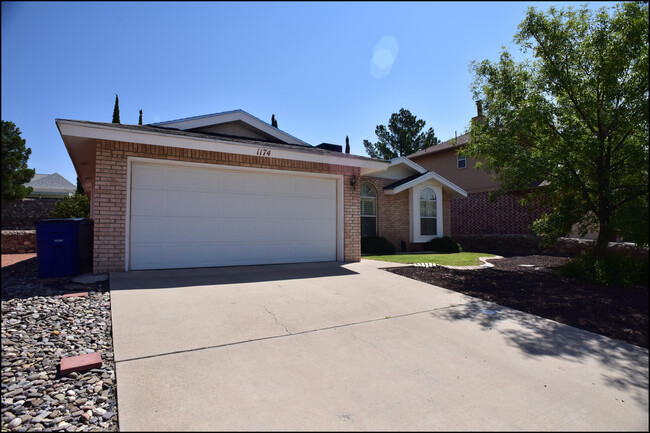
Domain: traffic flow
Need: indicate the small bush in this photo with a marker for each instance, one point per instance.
(614, 270)
(443, 245)
(376, 245)
(73, 206)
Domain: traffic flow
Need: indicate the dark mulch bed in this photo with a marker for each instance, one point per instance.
(620, 313)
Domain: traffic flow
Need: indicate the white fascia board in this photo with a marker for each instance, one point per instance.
(430, 175)
(231, 116)
(100, 132)
(408, 162)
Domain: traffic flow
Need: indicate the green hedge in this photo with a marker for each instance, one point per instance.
(614, 270)
(377, 245)
(443, 245)
(75, 205)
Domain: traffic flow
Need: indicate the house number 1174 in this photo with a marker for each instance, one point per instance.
(264, 152)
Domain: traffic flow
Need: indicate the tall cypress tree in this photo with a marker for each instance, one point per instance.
(274, 123)
(140, 119)
(347, 144)
(80, 188)
(116, 110)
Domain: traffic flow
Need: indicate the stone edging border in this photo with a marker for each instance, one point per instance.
(483, 259)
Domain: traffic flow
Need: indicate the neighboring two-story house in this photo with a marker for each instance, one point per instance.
(476, 214)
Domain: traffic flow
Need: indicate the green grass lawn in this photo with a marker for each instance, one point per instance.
(455, 259)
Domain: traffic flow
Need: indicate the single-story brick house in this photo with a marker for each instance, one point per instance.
(229, 189)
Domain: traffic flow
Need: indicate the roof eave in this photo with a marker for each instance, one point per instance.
(450, 186)
(71, 128)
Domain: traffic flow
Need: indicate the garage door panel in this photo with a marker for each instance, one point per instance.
(147, 229)
(148, 176)
(148, 200)
(232, 205)
(189, 217)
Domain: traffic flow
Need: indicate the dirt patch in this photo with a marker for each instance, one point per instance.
(10, 259)
(615, 312)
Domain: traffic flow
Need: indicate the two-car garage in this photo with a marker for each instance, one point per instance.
(183, 215)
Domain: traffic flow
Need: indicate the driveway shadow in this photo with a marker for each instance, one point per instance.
(169, 278)
(536, 337)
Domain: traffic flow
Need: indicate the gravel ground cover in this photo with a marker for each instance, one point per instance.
(529, 283)
(39, 327)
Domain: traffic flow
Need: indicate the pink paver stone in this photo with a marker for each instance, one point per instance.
(71, 295)
(81, 363)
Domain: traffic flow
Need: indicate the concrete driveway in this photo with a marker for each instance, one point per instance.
(347, 346)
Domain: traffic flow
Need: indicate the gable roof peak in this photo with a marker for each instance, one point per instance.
(239, 115)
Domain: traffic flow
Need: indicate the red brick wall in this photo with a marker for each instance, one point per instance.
(393, 214)
(111, 183)
(476, 214)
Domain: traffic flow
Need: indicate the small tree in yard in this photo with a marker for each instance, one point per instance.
(576, 116)
(74, 205)
(347, 144)
(14, 163)
(140, 118)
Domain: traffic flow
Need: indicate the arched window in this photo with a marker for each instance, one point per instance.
(368, 210)
(428, 212)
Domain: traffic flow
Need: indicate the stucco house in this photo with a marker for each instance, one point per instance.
(229, 189)
(475, 213)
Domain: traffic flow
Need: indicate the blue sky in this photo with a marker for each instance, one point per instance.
(326, 70)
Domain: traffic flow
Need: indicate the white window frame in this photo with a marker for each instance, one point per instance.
(435, 201)
(375, 198)
(460, 158)
(414, 212)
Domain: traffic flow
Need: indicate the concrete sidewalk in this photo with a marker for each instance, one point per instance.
(334, 346)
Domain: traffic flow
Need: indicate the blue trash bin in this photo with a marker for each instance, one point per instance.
(57, 247)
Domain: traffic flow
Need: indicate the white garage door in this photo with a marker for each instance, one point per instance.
(184, 217)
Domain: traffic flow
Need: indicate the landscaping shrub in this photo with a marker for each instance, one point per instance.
(614, 270)
(443, 245)
(73, 206)
(376, 245)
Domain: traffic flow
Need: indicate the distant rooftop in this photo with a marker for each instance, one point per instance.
(50, 185)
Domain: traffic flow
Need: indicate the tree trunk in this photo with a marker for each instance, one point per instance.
(605, 233)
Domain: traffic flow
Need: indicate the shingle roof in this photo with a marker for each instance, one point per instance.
(403, 181)
(50, 182)
(222, 137)
(461, 140)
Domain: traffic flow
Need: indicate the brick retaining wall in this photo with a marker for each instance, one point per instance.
(476, 214)
(24, 214)
(18, 241)
(521, 244)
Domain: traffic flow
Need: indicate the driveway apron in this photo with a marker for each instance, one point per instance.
(348, 346)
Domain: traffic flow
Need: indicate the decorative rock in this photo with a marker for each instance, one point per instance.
(39, 328)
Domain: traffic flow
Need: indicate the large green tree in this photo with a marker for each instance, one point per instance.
(402, 137)
(575, 116)
(14, 163)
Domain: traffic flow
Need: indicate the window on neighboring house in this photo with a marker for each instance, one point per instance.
(368, 210)
(428, 224)
(461, 161)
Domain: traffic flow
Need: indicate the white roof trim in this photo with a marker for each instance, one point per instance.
(430, 175)
(230, 116)
(103, 132)
(405, 160)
